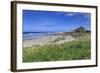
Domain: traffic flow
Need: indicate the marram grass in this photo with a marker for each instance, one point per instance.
(73, 50)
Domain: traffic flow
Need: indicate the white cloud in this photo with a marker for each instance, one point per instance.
(87, 15)
(59, 13)
(70, 14)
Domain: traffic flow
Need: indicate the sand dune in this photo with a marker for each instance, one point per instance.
(57, 39)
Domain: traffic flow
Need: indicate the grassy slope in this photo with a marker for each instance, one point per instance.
(74, 50)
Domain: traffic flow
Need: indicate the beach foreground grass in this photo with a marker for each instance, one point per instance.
(72, 50)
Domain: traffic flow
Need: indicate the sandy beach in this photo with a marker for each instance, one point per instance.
(56, 39)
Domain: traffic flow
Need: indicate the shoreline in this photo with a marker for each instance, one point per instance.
(50, 39)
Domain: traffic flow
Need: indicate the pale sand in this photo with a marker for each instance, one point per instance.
(48, 40)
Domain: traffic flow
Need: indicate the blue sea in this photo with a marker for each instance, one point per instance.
(34, 35)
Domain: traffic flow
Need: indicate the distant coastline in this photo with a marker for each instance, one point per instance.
(42, 38)
(34, 35)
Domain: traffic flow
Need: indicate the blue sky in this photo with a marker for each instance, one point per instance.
(52, 21)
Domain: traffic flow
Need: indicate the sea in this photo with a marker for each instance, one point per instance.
(34, 35)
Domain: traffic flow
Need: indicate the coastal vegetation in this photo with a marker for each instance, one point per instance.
(77, 49)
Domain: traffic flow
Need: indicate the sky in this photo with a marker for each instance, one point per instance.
(54, 21)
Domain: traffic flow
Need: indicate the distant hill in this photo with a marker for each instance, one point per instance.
(81, 29)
